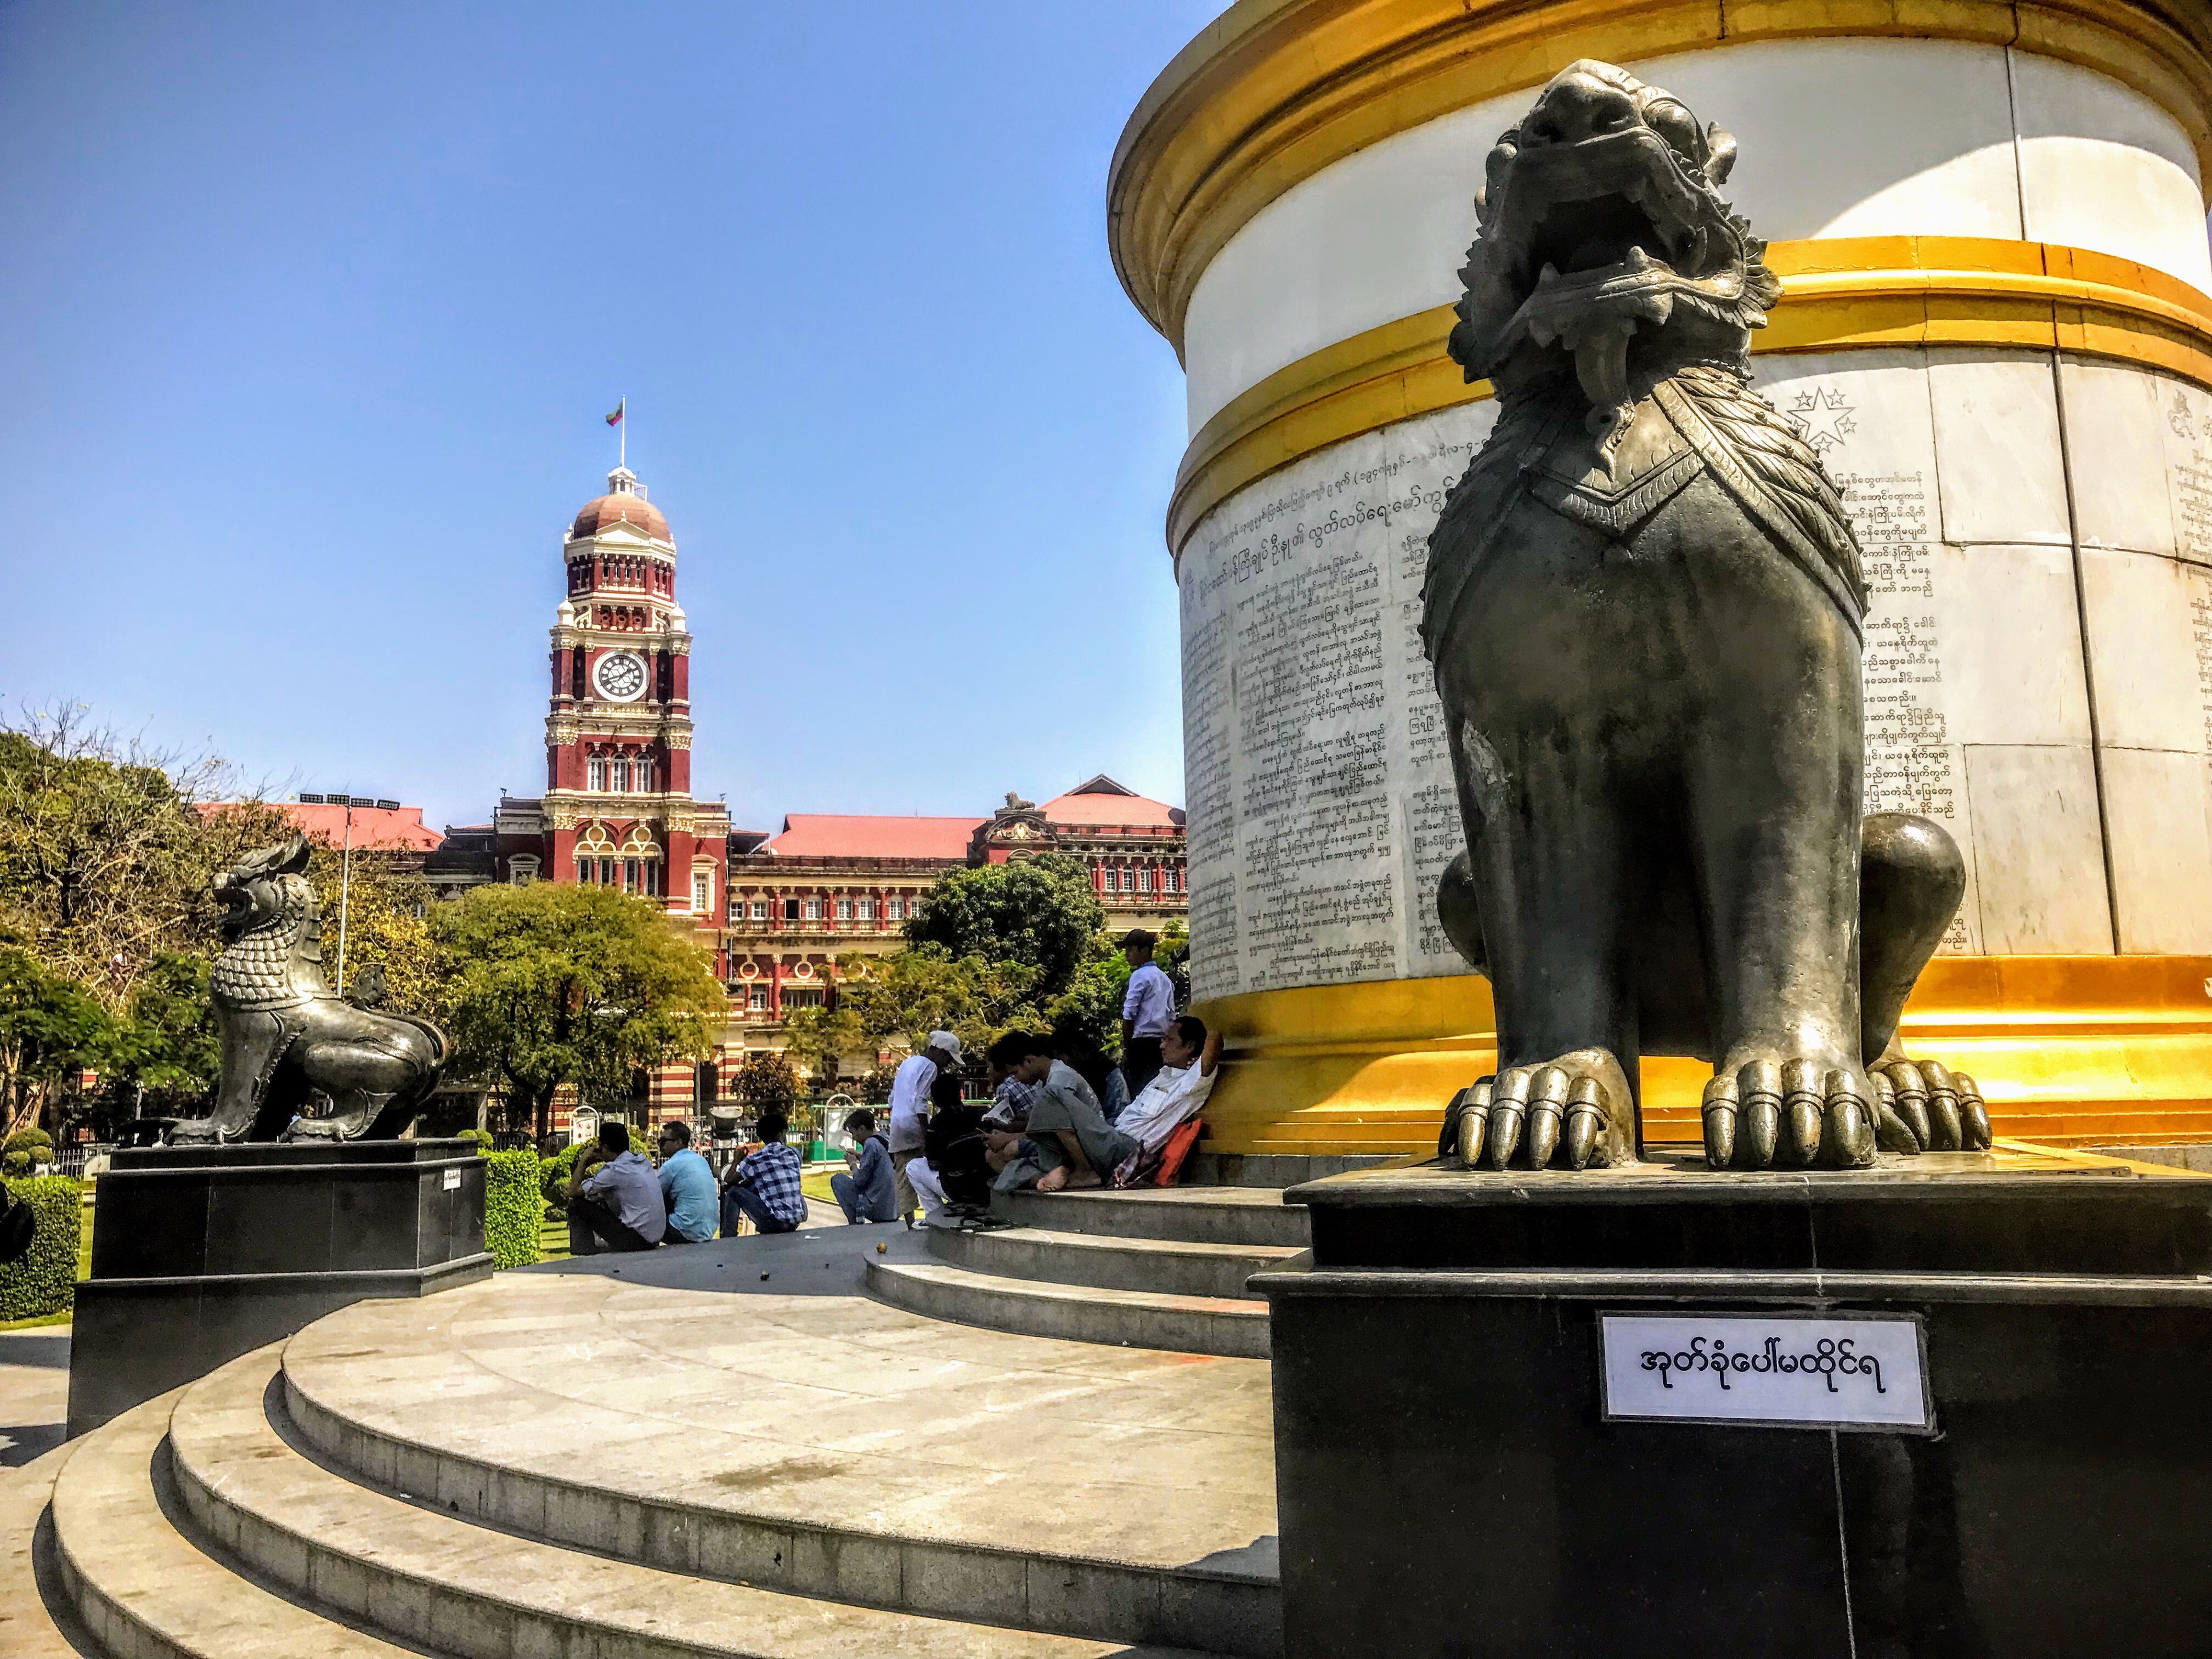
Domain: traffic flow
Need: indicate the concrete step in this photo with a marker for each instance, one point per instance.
(466, 1591)
(1164, 1266)
(816, 1442)
(36, 1620)
(1276, 1169)
(1194, 1215)
(146, 1587)
(1076, 1313)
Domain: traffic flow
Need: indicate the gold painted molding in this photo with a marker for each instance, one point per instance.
(1273, 91)
(2068, 1051)
(1839, 294)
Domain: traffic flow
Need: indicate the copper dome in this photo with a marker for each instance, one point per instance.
(608, 511)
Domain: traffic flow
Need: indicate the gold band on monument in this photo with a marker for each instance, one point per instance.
(1839, 294)
(1273, 92)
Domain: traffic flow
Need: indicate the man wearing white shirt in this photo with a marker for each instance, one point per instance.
(1192, 1057)
(1146, 1007)
(909, 1105)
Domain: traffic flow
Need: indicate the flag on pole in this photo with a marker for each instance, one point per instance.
(615, 419)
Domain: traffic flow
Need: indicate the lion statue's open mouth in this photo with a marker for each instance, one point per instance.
(1604, 239)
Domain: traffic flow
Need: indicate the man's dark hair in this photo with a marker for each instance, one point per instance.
(1138, 938)
(1012, 1049)
(860, 1121)
(1192, 1029)
(679, 1128)
(773, 1126)
(614, 1137)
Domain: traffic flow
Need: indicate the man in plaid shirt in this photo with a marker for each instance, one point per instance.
(764, 1187)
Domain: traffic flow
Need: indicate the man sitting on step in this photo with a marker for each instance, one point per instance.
(614, 1197)
(1190, 1060)
(764, 1188)
(1070, 1143)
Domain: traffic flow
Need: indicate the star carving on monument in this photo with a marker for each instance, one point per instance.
(1822, 419)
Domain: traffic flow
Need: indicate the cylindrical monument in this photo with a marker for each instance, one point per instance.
(1996, 329)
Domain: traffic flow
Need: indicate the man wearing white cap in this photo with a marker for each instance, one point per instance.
(910, 1086)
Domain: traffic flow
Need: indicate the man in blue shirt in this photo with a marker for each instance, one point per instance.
(687, 1187)
(1146, 1008)
(866, 1194)
(764, 1188)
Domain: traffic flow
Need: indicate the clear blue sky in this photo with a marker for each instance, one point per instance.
(309, 315)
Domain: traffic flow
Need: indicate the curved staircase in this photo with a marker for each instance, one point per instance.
(723, 1451)
(1160, 1269)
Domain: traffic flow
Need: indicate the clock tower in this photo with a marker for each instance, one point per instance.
(618, 807)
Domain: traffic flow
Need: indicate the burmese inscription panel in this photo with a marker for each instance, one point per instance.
(1320, 796)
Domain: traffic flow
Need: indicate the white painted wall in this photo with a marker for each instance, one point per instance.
(1843, 137)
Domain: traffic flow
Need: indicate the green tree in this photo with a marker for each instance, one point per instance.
(108, 851)
(387, 927)
(1038, 913)
(51, 1029)
(551, 986)
(766, 1082)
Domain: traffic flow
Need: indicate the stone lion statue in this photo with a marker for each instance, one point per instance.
(1643, 606)
(286, 1037)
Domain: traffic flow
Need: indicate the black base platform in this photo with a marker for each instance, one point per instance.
(1459, 1474)
(201, 1253)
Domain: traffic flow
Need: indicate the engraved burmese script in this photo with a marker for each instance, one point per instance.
(1320, 792)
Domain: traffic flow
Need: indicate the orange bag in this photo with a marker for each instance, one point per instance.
(1177, 1149)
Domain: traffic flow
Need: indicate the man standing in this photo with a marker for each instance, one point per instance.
(687, 1187)
(910, 1087)
(1146, 1008)
(614, 1197)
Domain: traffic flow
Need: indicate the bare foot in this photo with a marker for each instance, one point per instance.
(1052, 1180)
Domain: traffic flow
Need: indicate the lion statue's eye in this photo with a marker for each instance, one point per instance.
(1679, 128)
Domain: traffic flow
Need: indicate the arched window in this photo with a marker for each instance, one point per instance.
(595, 772)
(644, 770)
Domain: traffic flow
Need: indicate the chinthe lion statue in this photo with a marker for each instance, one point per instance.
(286, 1038)
(1643, 607)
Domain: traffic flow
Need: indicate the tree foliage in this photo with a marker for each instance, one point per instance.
(387, 927)
(1038, 913)
(552, 985)
(766, 1082)
(106, 859)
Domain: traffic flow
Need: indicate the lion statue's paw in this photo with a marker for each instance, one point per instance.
(1798, 1113)
(1934, 1108)
(1570, 1112)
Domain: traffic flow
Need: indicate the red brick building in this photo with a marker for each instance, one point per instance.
(830, 884)
(617, 808)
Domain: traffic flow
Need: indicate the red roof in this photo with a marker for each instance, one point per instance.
(372, 826)
(831, 834)
(1104, 801)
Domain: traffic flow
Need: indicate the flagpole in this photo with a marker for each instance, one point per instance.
(623, 430)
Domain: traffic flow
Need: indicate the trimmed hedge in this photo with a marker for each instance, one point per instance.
(512, 1207)
(481, 1137)
(44, 1281)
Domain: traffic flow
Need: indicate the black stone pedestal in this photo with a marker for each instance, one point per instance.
(201, 1253)
(1449, 1483)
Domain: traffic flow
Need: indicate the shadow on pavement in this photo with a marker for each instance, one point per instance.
(813, 1261)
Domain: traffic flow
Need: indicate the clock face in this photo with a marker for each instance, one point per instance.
(620, 676)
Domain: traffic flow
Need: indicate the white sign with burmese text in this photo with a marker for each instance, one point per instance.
(1856, 1372)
